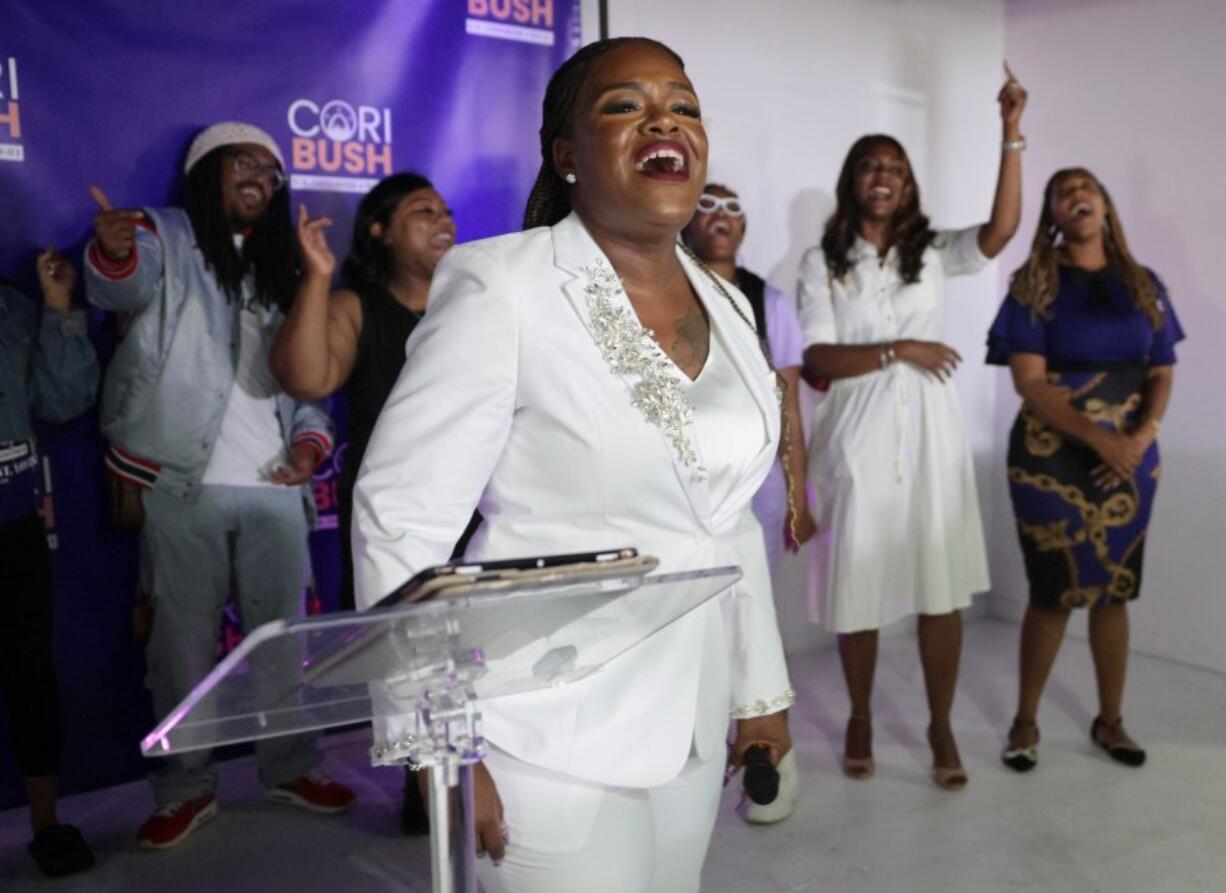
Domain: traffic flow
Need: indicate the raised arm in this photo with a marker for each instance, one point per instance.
(1007, 205)
(315, 349)
(123, 262)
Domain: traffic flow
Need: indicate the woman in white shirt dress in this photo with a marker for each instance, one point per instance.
(890, 463)
(590, 385)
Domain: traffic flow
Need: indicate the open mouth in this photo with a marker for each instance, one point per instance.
(1082, 209)
(251, 193)
(442, 241)
(883, 193)
(663, 161)
(721, 228)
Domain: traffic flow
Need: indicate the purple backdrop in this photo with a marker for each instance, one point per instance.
(109, 92)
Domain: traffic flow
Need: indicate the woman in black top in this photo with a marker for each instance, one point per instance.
(355, 337)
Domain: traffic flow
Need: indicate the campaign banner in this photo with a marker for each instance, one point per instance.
(110, 93)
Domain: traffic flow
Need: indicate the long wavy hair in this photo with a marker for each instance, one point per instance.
(549, 200)
(370, 263)
(269, 249)
(1034, 284)
(912, 234)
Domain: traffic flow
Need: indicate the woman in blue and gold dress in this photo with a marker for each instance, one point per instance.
(1089, 335)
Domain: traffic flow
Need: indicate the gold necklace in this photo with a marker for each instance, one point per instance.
(719, 287)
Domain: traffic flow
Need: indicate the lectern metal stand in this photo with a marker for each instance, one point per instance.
(435, 662)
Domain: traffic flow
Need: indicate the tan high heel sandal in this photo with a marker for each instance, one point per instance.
(948, 778)
(859, 768)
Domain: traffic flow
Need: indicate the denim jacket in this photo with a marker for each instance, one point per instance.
(47, 365)
(167, 386)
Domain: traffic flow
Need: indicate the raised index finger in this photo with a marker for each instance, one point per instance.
(99, 196)
(1009, 72)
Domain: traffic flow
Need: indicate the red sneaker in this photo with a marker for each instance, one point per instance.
(314, 792)
(172, 823)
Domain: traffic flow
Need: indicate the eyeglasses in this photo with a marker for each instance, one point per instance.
(709, 204)
(247, 166)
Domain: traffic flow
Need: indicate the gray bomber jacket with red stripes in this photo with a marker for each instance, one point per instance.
(166, 388)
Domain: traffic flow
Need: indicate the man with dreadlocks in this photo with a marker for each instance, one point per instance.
(223, 458)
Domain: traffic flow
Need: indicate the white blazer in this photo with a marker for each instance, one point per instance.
(507, 403)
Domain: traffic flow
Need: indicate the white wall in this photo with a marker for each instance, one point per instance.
(787, 86)
(1132, 90)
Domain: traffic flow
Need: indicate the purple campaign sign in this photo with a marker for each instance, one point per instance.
(110, 92)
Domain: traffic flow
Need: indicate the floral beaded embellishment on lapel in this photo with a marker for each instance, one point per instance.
(630, 350)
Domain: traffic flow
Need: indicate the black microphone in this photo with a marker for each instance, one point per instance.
(761, 778)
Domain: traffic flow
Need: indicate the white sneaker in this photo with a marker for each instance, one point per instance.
(784, 803)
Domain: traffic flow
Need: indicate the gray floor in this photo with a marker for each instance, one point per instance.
(1078, 823)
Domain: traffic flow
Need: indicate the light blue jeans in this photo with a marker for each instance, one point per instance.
(249, 541)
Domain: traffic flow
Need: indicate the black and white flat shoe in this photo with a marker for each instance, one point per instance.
(1021, 759)
(1128, 754)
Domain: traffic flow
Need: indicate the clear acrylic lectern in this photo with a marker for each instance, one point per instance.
(441, 658)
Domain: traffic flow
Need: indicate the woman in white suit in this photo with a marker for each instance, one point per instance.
(589, 384)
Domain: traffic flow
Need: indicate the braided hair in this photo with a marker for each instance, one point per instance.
(549, 200)
(270, 249)
(912, 234)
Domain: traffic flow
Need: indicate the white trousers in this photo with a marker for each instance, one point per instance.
(568, 835)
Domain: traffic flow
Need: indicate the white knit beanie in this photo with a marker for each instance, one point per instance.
(229, 133)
